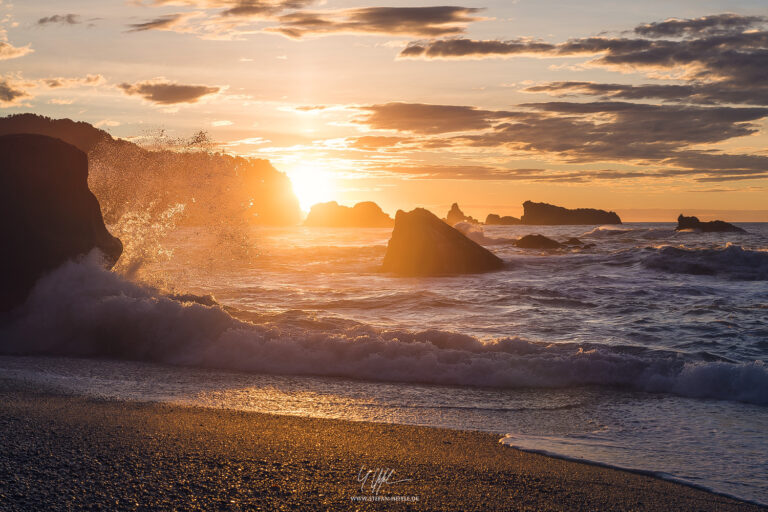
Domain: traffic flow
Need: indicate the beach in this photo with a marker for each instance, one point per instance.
(64, 452)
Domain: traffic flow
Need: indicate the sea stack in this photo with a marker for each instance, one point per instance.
(423, 245)
(543, 214)
(713, 226)
(363, 215)
(48, 215)
(455, 215)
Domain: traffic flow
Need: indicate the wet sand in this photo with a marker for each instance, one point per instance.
(71, 453)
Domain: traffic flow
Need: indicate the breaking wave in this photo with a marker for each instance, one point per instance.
(83, 310)
(732, 261)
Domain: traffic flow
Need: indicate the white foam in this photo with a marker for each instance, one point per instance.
(83, 310)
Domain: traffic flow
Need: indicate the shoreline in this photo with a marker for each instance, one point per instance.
(66, 451)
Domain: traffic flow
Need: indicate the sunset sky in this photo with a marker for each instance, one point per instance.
(647, 108)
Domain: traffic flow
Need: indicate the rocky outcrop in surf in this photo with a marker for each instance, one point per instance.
(713, 226)
(48, 215)
(495, 220)
(455, 215)
(363, 215)
(543, 214)
(423, 245)
(537, 242)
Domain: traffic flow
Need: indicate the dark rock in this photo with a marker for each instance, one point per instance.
(362, 215)
(494, 220)
(214, 188)
(537, 242)
(47, 213)
(422, 244)
(543, 214)
(455, 215)
(714, 226)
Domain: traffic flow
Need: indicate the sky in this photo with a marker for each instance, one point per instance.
(647, 108)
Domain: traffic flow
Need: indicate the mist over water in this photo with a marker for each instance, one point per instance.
(646, 338)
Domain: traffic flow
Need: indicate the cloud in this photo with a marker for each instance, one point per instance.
(166, 22)
(10, 93)
(707, 25)
(60, 19)
(712, 93)
(458, 48)
(108, 123)
(648, 136)
(223, 122)
(730, 52)
(375, 142)
(163, 92)
(428, 119)
(87, 80)
(8, 51)
(233, 18)
(413, 21)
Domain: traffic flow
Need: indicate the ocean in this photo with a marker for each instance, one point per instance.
(646, 351)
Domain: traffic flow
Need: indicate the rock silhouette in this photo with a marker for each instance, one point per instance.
(214, 188)
(495, 220)
(423, 245)
(455, 215)
(713, 226)
(48, 215)
(363, 215)
(537, 242)
(543, 214)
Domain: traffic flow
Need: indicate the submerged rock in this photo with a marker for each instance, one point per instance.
(423, 245)
(543, 214)
(363, 215)
(455, 215)
(495, 220)
(537, 242)
(713, 226)
(48, 215)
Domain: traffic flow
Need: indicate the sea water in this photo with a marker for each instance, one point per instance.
(645, 351)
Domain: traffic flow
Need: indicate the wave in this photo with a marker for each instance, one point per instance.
(732, 261)
(85, 311)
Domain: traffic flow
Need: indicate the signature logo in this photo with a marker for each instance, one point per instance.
(374, 479)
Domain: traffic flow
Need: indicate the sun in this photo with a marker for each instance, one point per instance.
(312, 185)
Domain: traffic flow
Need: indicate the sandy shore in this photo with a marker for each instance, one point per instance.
(72, 453)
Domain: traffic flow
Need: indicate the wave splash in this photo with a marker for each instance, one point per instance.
(83, 310)
(731, 261)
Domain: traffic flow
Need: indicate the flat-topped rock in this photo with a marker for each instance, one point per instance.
(496, 220)
(543, 214)
(363, 215)
(713, 226)
(48, 215)
(424, 245)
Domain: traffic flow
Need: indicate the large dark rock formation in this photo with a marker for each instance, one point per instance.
(455, 215)
(214, 188)
(47, 213)
(362, 215)
(713, 226)
(537, 242)
(549, 215)
(495, 220)
(423, 245)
